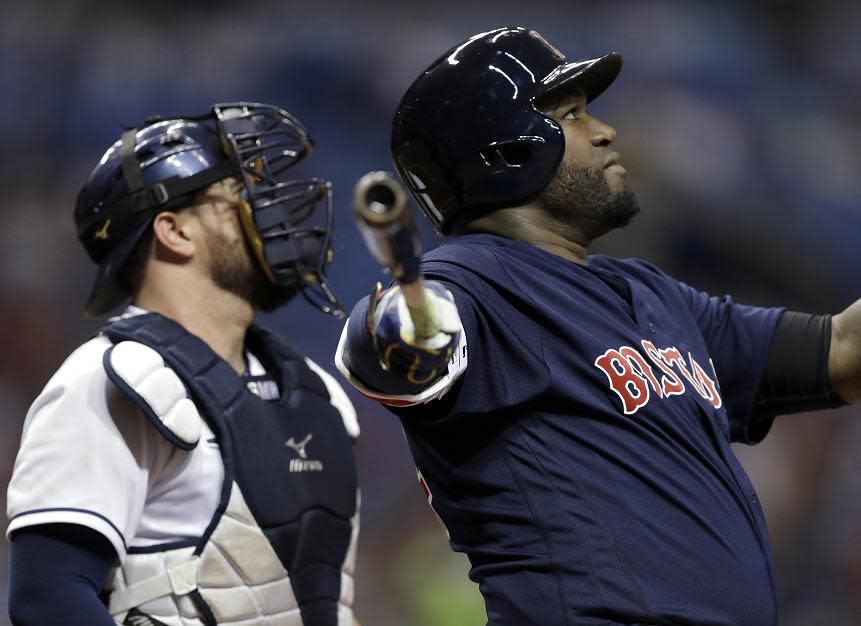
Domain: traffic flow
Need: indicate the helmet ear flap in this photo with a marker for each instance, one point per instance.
(514, 166)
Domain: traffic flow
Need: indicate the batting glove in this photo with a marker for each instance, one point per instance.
(420, 360)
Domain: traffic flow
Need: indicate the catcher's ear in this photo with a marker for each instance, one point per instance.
(175, 234)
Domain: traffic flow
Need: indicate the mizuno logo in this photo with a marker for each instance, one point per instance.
(102, 233)
(303, 463)
(300, 465)
(299, 447)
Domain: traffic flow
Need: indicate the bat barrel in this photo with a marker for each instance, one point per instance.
(379, 199)
(386, 222)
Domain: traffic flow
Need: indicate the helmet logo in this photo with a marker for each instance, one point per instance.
(102, 233)
(553, 50)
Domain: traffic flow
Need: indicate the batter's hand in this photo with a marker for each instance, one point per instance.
(421, 361)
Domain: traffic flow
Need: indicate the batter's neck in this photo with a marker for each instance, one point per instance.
(535, 228)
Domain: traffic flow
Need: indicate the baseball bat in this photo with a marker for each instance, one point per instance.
(385, 219)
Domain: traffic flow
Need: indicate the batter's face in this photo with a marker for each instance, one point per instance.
(232, 265)
(589, 186)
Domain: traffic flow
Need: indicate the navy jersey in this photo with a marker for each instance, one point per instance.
(583, 460)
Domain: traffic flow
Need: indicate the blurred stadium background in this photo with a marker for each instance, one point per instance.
(736, 124)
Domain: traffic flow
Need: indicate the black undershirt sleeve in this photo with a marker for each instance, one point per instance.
(796, 370)
(56, 574)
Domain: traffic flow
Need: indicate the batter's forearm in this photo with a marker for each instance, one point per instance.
(844, 359)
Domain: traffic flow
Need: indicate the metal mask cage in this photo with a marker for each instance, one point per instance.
(289, 222)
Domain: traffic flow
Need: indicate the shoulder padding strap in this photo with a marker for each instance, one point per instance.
(338, 398)
(140, 372)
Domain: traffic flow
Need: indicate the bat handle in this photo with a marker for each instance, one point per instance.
(421, 309)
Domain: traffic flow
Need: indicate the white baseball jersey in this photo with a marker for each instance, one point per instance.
(88, 456)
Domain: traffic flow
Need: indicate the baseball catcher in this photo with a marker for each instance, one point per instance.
(186, 467)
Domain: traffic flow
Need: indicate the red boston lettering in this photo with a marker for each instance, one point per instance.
(671, 384)
(631, 375)
(631, 387)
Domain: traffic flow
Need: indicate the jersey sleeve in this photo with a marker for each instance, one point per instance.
(738, 338)
(87, 455)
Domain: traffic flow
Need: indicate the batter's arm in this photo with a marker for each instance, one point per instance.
(844, 360)
(400, 342)
(380, 355)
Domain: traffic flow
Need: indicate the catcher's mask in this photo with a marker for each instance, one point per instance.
(162, 164)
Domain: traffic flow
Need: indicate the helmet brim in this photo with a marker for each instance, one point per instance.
(106, 294)
(593, 76)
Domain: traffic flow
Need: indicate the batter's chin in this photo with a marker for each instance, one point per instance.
(615, 177)
(622, 210)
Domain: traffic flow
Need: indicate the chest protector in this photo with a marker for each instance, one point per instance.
(280, 547)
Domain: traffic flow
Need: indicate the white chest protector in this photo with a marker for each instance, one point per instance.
(281, 546)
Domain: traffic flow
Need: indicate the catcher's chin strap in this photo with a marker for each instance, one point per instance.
(796, 370)
(131, 167)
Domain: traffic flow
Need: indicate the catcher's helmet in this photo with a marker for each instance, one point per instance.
(161, 165)
(467, 137)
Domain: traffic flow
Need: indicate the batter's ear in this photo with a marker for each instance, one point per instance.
(174, 235)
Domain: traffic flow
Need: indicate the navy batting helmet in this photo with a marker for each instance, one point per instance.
(161, 165)
(467, 137)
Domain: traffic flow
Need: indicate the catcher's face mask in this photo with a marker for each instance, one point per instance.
(162, 164)
(288, 222)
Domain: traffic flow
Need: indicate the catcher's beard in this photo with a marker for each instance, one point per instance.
(582, 195)
(234, 269)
